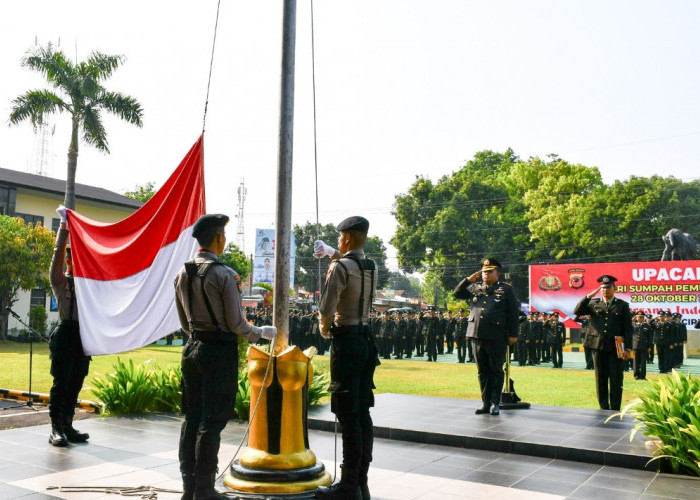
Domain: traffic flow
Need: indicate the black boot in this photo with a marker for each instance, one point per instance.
(187, 486)
(364, 483)
(73, 435)
(57, 437)
(204, 488)
(347, 488)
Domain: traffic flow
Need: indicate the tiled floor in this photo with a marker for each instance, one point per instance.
(143, 451)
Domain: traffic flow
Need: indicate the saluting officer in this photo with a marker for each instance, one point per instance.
(493, 323)
(208, 301)
(639, 344)
(344, 312)
(610, 318)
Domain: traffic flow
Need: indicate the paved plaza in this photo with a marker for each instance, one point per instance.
(142, 451)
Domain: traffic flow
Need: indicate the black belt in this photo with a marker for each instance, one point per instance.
(340, 331)
(213, 336)
(68, 322)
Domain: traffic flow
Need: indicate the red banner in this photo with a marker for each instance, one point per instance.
(650, 286)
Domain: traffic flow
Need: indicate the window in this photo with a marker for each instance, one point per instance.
(55, 223)
(28, 218)
(7, 200)
(38, 298)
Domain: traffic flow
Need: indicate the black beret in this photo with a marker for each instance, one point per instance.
(489, 264)
(208, 221)
(354, 223)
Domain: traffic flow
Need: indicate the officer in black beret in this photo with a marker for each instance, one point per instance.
(493, 323)
(208, 302)
(610, 318)
(344, 317)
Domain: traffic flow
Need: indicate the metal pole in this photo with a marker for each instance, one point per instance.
(283, 225)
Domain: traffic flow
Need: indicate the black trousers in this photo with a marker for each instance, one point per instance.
(557, 355)
(609, 377)
(353, 360)
(522, 352)
(209, 384)
(431, 346)
(640, 363)
(69, 366)
(461, 348)
(490, 357)
(588, 355)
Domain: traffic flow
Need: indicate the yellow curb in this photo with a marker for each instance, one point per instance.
(37, 397)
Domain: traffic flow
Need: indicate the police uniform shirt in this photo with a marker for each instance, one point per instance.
(340, 300)
(608, 320)
(60, 285)
(221, 285)
(494, 310)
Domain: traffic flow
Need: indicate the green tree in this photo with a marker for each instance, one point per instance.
(234, 258)
(142, 193)
(78, 91)
(306, 267)
(399, 281)
(25, 256)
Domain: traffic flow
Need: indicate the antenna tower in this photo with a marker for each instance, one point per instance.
(240, 229)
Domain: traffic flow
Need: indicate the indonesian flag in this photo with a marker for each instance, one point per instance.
(124, 272)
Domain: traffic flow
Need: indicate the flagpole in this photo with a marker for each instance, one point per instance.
(283, 223)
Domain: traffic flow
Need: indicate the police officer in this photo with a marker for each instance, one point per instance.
(610, 318)
(461, 336)
(585, 328)
(208, 301)
(344, 310)
(663, 341)
(555, 338)
(639, 344)
(69, 364)
(432, 327)
(493, 323)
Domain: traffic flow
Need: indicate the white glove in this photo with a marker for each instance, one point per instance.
(268, 332)
(62, 212)
(321, 250)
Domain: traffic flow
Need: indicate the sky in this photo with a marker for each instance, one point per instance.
(404, 88)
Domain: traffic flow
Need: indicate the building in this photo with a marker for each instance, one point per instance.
(35, 198)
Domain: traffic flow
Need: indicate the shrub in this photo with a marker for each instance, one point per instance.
(668, 410)
(37, 319)
(128, 390)
(168, 389)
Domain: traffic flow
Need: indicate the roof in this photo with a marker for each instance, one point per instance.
(58, 186)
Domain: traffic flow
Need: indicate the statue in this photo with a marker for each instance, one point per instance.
(679, 246)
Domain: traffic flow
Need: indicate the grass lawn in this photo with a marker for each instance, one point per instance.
(540, 386)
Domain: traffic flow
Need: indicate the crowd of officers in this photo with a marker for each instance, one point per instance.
(541, 337)
(666, 334)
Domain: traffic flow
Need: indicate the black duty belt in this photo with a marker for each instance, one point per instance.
(213, 336)
(341, 331)
(69, 322)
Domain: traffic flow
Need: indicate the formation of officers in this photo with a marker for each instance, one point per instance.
(541, 337)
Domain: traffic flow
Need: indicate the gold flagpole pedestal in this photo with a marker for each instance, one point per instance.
(277, 463)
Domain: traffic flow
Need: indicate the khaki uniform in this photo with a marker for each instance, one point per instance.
(210, 357)
(69, 364)
(344, 312)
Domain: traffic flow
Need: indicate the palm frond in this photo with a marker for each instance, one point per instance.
(125, 107)
(100, 66)
(94, 132)
(55, 66)
(35, 105)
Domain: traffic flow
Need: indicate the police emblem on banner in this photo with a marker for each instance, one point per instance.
(549, 283)
(576, 277)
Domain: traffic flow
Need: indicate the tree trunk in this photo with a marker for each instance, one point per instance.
(3, 319)
(69, 200)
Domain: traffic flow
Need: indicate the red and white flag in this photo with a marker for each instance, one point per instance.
(124, 271)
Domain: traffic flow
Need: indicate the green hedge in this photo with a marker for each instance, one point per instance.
(147, 388)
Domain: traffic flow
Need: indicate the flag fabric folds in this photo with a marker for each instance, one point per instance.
(124, 271)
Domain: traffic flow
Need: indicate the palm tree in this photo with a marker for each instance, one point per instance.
(79, 92)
